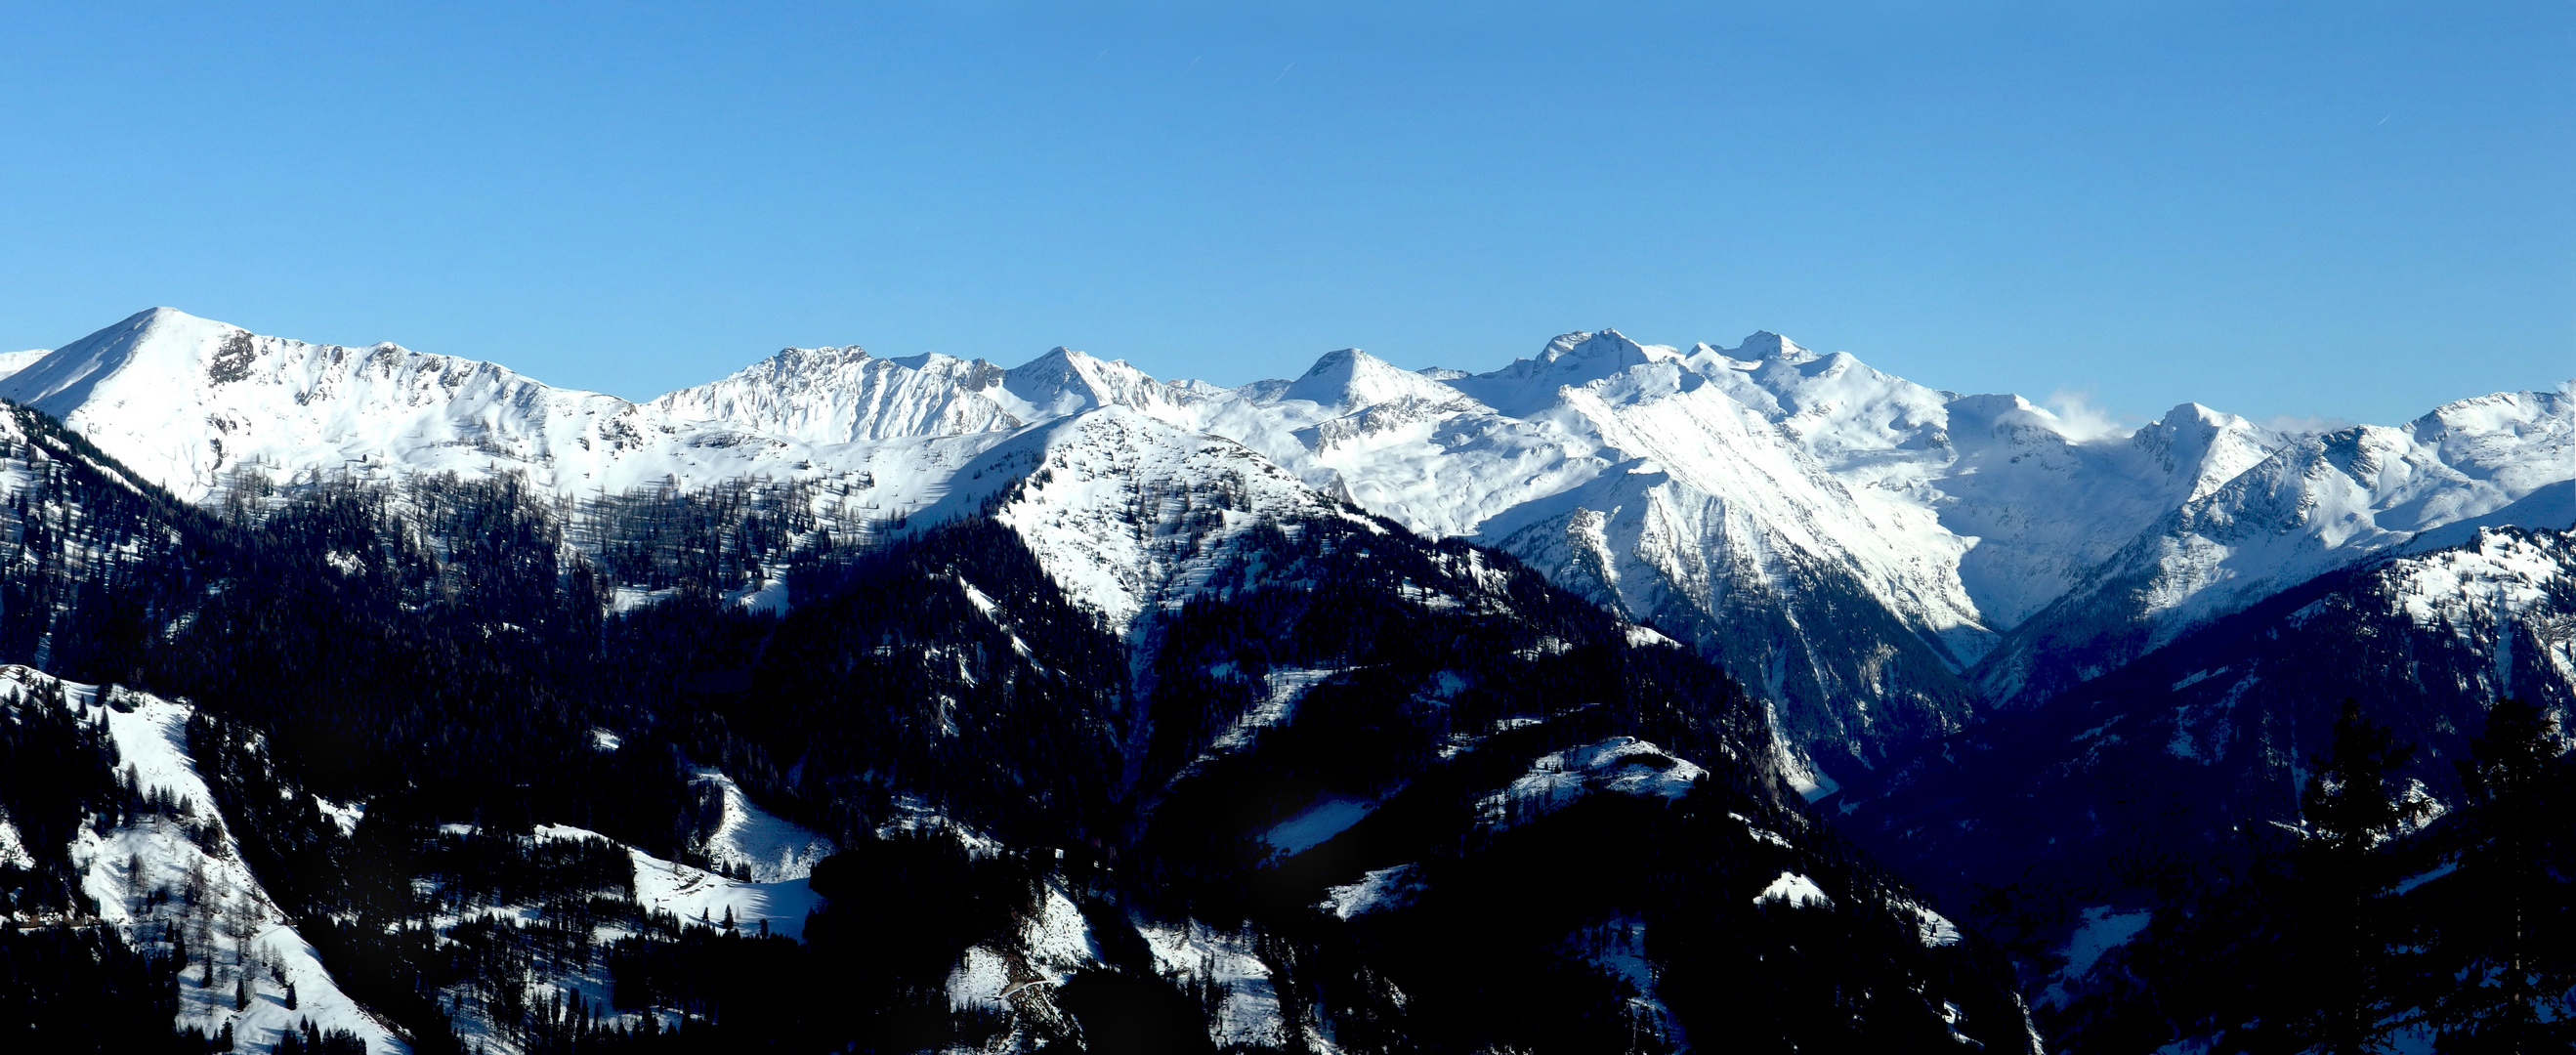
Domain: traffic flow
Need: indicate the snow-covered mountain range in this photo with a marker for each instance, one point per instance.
(439, 707)
(1959, 552)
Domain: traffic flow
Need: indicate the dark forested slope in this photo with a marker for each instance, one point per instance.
(1359, 791)
(2173, 799)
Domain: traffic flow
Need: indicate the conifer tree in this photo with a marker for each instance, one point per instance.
(2506, 935)
(2341, 953)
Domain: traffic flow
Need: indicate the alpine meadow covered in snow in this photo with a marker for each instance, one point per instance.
(2119, 599)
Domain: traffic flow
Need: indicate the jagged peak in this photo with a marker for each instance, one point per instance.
(1606, 346)
(1989, 404)
(180, 338)
(1573, 359)
(832, 354)
(1059, 355)
(1066, 381)
(169, 346)
(1764, 344)
(2496, 411)
(1349, 377)
(1062, 364)
(836, 370)
(2197, 418)
(933, 362)
(1601, 350)
(2210, 445)
(1342, 360)
(2189, 411)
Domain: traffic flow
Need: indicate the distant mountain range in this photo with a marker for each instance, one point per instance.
(1764, 502)
(1069, 607)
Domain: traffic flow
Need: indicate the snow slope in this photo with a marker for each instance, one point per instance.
(1130, 514)
(1622, 764)
(186, 872)
(755, 843)
(703, 898)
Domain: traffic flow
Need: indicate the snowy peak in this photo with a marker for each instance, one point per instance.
(2515, 439)
(2316, 504)
(1764, 346)
(1351, 379)
(1125, 511)
(1064, 382)
(2207, 446)
(167, 341)
(1333, 378)
(186, 402)
(1572, 360)
(844, 395)
(1605, 350)
(1708, 476)
(1838, 406)
(2360, 484)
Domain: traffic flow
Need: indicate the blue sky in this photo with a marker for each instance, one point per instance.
(2349, 210)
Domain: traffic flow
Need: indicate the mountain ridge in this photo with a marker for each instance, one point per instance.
(1977, 523)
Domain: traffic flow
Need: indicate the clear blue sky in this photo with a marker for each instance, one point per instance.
(2355, 210)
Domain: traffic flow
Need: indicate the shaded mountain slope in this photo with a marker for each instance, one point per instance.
(2134, 792)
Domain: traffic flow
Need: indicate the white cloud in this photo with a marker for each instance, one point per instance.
(2083, 420)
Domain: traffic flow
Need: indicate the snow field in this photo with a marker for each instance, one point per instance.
(13, 849)
(1794, 890)
(157, 874)
(1622, 765)
(2101, 929)
(1378, 889)
(703, 898)
(1194, 952)
(765, 847)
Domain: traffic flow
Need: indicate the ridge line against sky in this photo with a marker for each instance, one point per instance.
(2356, 213)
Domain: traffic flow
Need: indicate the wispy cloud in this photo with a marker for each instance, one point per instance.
(2081, 419)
